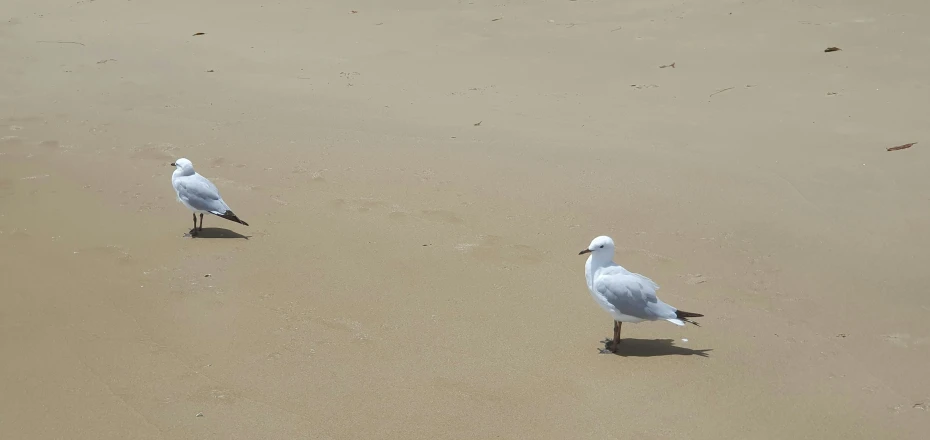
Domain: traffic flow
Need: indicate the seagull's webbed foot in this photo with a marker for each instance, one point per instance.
(193, 232)
(610, 347)
(614, 346)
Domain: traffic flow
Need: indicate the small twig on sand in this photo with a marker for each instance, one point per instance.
(721, 91)
(901, 147)
(668, 65)
(60, 42)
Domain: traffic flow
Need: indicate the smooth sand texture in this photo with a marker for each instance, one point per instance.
(410, 274)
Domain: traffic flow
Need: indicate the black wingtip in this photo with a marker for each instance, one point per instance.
(229, 215)
(685, 315)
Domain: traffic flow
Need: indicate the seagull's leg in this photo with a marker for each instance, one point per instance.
(616, 342)
(194, 231)
(609, 344)
(201, 222)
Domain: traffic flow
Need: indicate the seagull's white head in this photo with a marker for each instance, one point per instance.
(184, 166)
(600, 247)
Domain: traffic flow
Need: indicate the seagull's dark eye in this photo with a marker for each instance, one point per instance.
(602, 246)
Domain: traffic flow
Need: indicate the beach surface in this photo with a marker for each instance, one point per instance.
(419, 176)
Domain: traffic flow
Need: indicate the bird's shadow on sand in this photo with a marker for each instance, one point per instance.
(652, 347)
(217, 233)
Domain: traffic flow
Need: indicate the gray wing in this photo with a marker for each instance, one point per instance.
(633, 295)
(201, 194)
(615, 268)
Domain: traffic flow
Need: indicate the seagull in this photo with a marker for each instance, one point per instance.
(627, 296)
(199, 194)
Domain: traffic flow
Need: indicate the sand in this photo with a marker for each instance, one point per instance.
(419, 177)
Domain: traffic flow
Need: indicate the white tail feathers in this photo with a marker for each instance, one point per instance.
(676, 321)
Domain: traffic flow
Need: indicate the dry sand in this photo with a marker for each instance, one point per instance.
(410, 273)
